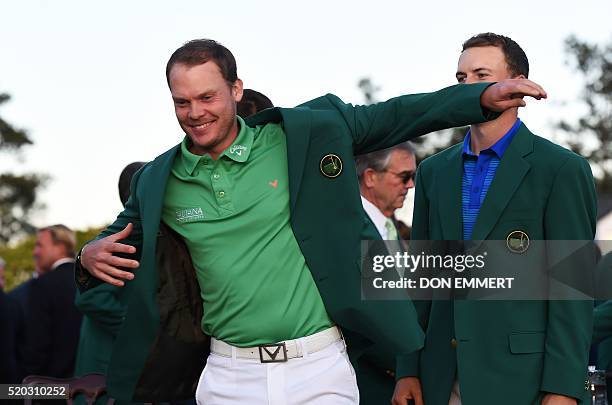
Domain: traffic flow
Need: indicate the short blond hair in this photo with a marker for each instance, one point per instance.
(61, 234)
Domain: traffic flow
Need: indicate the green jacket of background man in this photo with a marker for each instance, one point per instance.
(326, 217)
(508, 351)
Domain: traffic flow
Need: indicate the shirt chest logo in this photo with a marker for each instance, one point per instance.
(237, 149)
(187, 215)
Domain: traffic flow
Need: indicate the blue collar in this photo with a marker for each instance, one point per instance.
(499, 147)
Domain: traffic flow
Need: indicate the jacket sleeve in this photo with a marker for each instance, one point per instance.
(382, 125)
(103, 303)
(570, 216)
(131, 214)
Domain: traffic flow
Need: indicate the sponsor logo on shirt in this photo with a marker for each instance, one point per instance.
(237, 149)
(189, 215)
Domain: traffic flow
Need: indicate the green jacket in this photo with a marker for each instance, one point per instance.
(326, 217)
(602, 327)
(506, 352)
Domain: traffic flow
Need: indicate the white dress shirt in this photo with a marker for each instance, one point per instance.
(376, 216)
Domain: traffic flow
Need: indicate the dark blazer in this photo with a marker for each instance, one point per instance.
(326, 217)
(52, 324)
(9, 372)
(20, 296)
(507, 352)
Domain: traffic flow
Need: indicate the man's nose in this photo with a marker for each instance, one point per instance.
(196, 111)
(469, 79)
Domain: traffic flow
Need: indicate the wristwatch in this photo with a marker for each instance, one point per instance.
(81, 274)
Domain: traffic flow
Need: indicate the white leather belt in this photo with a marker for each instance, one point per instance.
(281, 351)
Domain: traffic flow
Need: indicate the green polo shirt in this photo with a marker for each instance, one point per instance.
(233, 213)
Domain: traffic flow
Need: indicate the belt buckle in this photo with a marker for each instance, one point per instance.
(270, 356)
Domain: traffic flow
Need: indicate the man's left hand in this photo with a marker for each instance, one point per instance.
(556, 399)
(407, 388)
(509, 93)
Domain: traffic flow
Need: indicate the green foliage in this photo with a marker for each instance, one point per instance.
(19, 262)
(17, 192)
(594, 64)
(18, 257)
(10, 137)
(369, 90)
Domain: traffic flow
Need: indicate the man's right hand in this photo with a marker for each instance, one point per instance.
(98, 259)
(509, 93)
(407, 388)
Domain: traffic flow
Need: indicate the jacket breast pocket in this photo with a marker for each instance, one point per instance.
(526, 342)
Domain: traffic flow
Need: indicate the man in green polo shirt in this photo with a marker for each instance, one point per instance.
(233, 213)
(270, 212)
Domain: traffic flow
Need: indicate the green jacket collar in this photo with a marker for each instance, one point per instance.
(296, 124)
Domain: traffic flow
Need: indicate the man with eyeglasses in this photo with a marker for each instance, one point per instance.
(385, 176)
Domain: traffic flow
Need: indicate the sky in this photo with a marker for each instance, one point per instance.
(87, 78)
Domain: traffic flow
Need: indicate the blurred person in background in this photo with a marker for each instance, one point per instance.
(52, 321)
(8, 334)
(252, 102)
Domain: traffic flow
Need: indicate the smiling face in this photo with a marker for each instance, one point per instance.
(482, 64)
(205, 106)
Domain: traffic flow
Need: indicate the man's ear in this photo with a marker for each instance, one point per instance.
(519, 77)
(237, 90)
(369, 178)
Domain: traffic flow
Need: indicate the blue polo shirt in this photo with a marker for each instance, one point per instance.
(478, 173)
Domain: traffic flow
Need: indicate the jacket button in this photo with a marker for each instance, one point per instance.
(454, 343)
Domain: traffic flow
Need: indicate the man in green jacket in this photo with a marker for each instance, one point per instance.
(503, 183)
(270, 213)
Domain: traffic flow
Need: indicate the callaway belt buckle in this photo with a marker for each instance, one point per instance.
(269, 353)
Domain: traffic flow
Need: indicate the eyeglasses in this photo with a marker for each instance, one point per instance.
(404, 176)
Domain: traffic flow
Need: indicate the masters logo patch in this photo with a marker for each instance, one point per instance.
(189, 215)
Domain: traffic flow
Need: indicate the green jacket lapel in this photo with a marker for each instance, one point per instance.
(508, 177)
(450, 196)
(154, 192)
(296, 124)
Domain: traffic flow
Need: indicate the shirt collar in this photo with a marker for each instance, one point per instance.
(376, 216)
(238, 151)
(59, 262)
(499, 148)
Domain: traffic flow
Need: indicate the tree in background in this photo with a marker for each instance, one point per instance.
(369, 90)
(17, 191)
(591, 135)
